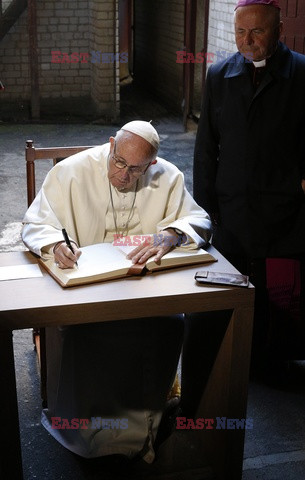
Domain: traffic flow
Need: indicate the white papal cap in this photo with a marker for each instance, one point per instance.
(144, 130)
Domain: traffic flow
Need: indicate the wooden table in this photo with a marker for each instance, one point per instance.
(40, 302)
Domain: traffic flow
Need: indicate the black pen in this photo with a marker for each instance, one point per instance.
(68, 243)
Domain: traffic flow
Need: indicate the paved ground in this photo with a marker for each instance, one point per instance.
(274, 448)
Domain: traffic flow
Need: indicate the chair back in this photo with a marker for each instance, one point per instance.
(31, 155)
(51, 153)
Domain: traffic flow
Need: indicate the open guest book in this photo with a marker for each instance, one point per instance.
(106, 261)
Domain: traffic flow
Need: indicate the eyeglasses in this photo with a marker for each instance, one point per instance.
(132, 169)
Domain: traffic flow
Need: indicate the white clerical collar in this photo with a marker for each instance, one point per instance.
(261, 63)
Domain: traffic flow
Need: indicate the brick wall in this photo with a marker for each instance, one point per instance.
(221, 29)
(88, 26)
(14, 62)
(221, 41)
(198, 67)
(159, 33)
(64, 27)
(105, 86)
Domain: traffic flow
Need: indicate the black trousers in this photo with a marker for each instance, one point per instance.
(277, 332)
(275, 337)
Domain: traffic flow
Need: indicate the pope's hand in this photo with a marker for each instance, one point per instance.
(64, 257)
(155, 245)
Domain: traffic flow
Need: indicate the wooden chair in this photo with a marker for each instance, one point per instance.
(32, 154)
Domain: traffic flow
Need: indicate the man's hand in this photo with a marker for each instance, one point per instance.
(156, 245)
(64, 257)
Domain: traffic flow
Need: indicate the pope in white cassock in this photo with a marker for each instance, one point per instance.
(115, 376)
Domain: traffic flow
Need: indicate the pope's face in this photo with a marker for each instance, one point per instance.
(257, 31)
(129, 158)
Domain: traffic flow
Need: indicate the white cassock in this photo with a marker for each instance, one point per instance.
(110, 380)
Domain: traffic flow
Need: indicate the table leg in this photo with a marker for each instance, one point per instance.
(225, 395)
(10, 449)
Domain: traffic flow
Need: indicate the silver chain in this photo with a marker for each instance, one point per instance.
(130, 213)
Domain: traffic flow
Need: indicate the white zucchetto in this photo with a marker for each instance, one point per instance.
(144, 130)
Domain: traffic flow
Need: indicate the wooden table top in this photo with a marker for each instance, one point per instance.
(39, 302)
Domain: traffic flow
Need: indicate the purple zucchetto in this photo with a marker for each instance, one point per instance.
(245, 3)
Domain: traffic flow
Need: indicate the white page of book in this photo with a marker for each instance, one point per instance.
(98, 259)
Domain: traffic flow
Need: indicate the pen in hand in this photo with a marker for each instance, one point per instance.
(68, 243)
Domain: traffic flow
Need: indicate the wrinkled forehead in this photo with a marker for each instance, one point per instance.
(133, 148)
